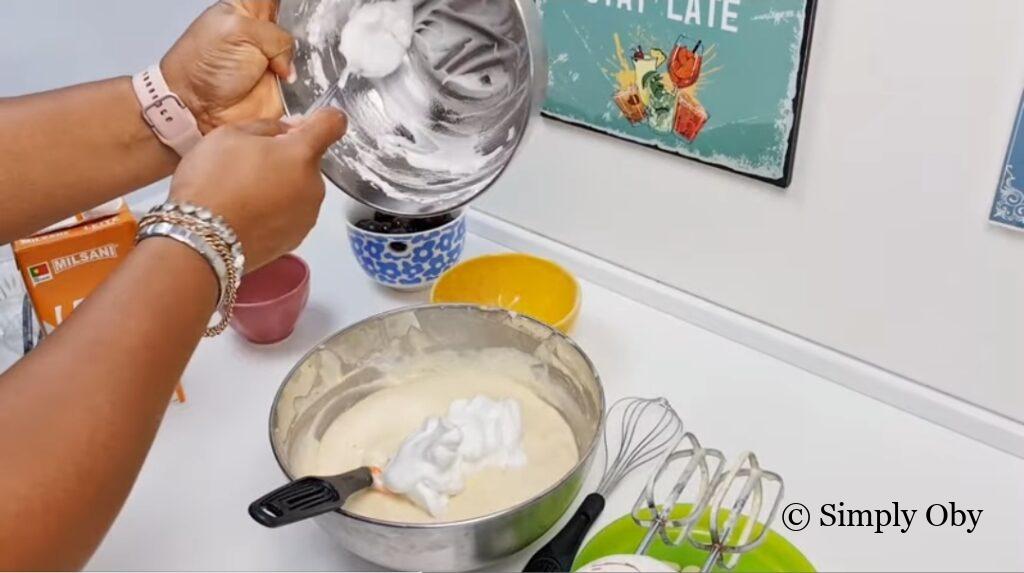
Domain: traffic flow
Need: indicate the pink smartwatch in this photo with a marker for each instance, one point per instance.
(165, 113)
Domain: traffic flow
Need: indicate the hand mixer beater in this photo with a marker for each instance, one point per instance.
(661, 514)
(756, 488)
(648, 430)
(740, 504)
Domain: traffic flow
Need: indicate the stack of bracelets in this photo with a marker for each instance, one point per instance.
(208, 235)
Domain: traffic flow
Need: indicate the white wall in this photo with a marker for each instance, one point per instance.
(881, 248)
(47, 44)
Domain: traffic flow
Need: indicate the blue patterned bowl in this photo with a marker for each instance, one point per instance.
(411, 261)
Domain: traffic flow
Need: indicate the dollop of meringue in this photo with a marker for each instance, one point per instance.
(431, 465)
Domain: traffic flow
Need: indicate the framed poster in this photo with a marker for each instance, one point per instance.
(717, 81)
(1008, 209)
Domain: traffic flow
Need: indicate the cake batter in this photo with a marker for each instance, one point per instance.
(424, 387)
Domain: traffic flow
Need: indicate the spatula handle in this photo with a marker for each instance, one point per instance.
(560, 552)
(308, 497)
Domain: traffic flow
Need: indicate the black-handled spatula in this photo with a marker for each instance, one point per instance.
(311, 496)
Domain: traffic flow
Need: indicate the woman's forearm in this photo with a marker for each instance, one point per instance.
(68, 150)
(78, 415)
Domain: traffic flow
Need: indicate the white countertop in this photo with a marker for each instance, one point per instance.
(212, 457)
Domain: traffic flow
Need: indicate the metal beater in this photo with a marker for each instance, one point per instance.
(649, 429)
(756, 492)
(662, 514)
(747, 492)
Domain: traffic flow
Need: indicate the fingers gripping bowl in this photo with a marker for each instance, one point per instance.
(438, 131)
(347, 368)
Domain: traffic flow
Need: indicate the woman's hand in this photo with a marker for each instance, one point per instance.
(263, 178)
(223, 67)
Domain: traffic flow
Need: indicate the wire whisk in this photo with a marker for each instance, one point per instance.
(648, 430)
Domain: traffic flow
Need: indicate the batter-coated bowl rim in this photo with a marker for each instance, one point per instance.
(584, 458)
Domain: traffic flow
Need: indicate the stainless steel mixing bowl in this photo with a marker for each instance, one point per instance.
(346, 367)
(475, 77)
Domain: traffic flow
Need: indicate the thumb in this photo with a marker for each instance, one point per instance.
(318, 132)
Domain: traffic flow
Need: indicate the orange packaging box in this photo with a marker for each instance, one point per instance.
(61, 268)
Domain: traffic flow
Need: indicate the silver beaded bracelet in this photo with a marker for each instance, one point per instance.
(219, 225)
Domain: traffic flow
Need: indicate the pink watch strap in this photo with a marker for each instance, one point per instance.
(165, 113)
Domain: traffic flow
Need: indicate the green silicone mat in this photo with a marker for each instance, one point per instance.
(623, 536)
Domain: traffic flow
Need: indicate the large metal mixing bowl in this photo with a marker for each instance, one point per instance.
(475, 77)
(346, 367)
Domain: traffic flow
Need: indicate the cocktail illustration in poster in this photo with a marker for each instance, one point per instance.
(719, 81)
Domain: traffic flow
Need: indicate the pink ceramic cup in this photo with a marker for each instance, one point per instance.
(271, 299)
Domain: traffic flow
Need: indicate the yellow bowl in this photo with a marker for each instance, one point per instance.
(525, 284)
